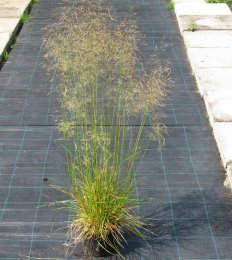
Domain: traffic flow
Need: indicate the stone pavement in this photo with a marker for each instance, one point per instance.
(182, 185)
(209, 50)
(10, 13)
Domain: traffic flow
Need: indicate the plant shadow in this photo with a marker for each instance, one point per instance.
(186, 218)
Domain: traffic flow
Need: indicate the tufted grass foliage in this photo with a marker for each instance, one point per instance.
(171, 5)
(228, 2)
(102, 84)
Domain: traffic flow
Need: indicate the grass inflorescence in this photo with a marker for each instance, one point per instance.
(102, 85)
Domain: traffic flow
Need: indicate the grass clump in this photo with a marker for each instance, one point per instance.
(102, 85)
(5, 56)
(193, 27)
(171, 5)
(24, 18)
(32, 3)
(228, 2)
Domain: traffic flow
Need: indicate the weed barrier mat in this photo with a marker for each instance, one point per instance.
(182, 186)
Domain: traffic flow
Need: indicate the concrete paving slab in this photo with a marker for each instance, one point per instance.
(220, 105)
(11, 3)
(214, 79)
(4, 38)
(201, 9)
(12, 12)
(208, 39)
(210, 57)
(223, 136)
(8, 24)
(13, 8)
(205, 22)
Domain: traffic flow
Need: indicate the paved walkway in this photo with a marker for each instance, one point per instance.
(10, 14)
(209, 50)
(182, 185)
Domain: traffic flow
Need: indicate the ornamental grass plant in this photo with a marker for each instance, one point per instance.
(107, 97)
